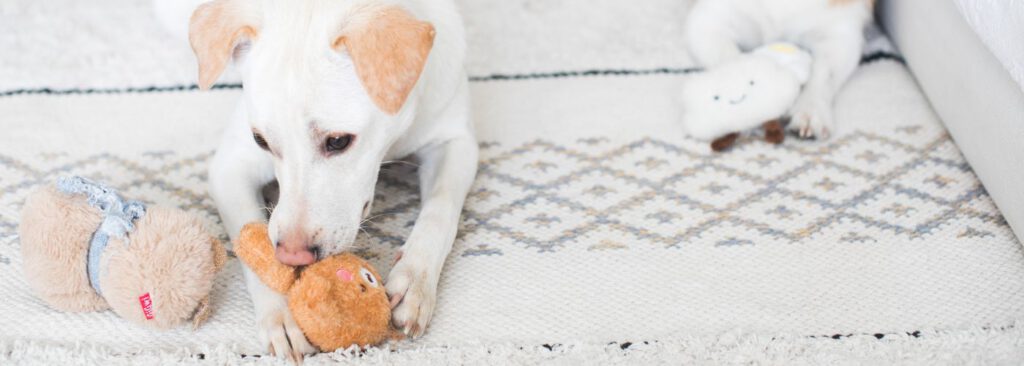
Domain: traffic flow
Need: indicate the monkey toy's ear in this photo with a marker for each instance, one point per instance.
(254, 248)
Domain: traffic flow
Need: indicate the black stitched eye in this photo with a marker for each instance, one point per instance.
(751, 83)
(716, 97)
(260, 141)
(370, 279)
(336, 144)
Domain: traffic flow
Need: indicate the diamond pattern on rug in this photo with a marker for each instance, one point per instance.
(546, 196)
(738, 228)
(666, 195)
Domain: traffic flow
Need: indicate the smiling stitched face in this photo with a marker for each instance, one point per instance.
(737, 96)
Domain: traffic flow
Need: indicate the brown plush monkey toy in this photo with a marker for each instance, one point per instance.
(337, 302)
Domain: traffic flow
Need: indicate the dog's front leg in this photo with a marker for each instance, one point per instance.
(836, 55)
(237, 173)
(446, 173)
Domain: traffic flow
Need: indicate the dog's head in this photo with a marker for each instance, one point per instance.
(327, 86)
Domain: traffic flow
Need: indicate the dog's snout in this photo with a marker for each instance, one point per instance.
(294, 256)
(296, 249)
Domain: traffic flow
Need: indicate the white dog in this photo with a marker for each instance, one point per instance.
(332, 90)
(832, 30)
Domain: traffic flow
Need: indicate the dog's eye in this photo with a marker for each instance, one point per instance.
(260, 141)
(370, 279)
(335, 144)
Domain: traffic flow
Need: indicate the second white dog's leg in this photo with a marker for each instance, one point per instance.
(237, 173)
(836, 56)
(446, 173)
(710, 49)
(708, 37)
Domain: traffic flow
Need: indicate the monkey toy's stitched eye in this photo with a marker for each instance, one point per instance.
(751, 83)
(716, 98)
(369, 277)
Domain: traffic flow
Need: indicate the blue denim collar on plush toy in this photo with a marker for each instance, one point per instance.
(118, 218)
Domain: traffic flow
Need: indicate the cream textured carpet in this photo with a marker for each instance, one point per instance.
(595, 233)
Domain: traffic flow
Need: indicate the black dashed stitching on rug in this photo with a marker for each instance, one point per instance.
(866, 59)
(584, 73)
(915, 334)
(150, 89)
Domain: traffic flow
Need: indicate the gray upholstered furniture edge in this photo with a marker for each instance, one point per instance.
(977, 100)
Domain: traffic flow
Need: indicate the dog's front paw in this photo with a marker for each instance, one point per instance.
(282, 336)
(412, 288)
(811, 117)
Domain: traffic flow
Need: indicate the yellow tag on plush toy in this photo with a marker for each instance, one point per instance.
(783, 48)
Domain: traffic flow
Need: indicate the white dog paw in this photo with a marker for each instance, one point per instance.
(413, 293)
(283, 337)
(811, 118)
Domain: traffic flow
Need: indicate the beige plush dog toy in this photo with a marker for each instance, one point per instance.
(85, 248)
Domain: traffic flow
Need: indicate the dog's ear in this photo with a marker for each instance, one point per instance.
(389, 48)
(214, 30)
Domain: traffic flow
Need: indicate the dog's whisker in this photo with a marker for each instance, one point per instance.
(367, 232)
(376, 216)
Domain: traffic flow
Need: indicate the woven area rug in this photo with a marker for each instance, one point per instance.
(595, 232)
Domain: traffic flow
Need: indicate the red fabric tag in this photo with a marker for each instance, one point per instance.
(147, 306)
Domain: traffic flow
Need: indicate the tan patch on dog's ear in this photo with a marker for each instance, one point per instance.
(389, 48)
(214, 30)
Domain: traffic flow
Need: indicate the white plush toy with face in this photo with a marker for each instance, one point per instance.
(744, 93)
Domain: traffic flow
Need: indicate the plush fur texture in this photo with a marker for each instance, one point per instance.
(55, 233)
(249, 247)
(169, 255)
(337, 302)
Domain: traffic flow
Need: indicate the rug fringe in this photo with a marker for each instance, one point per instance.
(976, 345)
